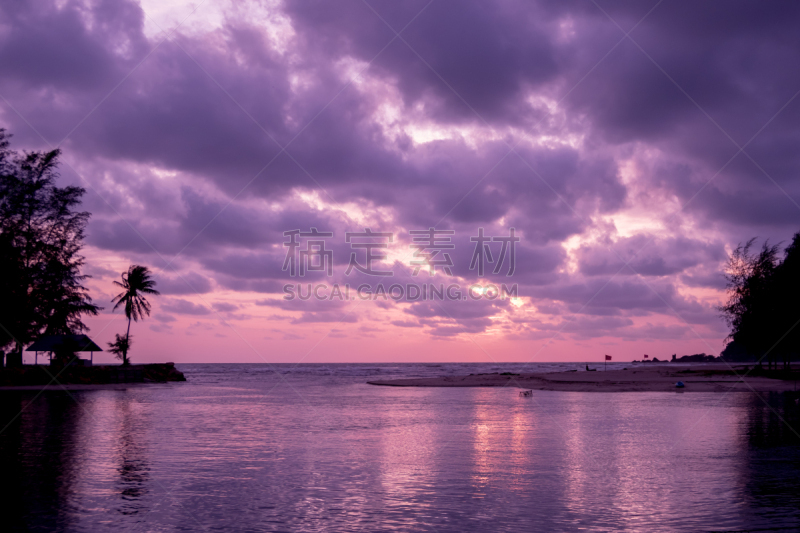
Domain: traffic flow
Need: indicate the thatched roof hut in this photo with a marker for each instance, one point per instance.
(73, 343)
(52, 343)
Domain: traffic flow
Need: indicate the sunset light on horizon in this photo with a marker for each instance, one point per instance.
(402, 266)
(629, 150)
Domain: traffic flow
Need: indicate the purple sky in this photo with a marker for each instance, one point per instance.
(631, 145)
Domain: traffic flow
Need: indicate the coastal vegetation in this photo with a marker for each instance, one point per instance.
(42, 291)
(121, 346)
(41, 236)
(136, 282)
(762, 310)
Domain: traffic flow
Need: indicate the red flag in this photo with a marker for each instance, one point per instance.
(646, 356)
(608, 358)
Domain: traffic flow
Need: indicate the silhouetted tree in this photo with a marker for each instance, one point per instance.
(120, 346)
(41, 235)
(787, 303)
(136, 282)
(762, 308)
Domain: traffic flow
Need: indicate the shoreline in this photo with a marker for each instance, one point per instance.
(78, 377)
(70, 387)
(697, 378)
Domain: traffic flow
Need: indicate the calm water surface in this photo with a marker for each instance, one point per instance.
(313, 448)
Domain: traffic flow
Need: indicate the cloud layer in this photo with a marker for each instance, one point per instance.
(630, 145)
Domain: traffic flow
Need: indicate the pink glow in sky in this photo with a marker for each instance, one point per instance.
(630, 166)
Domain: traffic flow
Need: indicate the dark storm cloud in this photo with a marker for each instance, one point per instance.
(198, 226)
(33, 51)
(590, 327)
(488, 55)
(727, 75)
(201, 130)
(635, 297)
(705, 278)
(656, 332)
(187, 148)
(587, 327)
(188, 283)
(648, 255)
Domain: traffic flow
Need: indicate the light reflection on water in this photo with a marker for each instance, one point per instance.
(238, 448)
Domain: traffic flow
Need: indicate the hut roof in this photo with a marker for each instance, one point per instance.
(51, 343)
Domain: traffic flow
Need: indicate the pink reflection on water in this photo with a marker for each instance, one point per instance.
(324, 455)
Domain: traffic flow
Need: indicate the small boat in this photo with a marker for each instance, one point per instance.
(680, 385)
(526, 393)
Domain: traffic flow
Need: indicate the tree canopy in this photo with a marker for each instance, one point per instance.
(762, 309)
(41, 235)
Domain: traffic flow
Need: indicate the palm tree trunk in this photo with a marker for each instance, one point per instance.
(127, 343)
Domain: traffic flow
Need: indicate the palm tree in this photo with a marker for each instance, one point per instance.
(136, 282)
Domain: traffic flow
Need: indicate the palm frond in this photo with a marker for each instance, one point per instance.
(136, 282)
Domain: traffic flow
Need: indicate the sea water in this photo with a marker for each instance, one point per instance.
(314, 448)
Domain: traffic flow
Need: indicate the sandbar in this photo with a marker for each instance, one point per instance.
(656, 378)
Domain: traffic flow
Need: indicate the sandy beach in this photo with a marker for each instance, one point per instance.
(696, 378)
